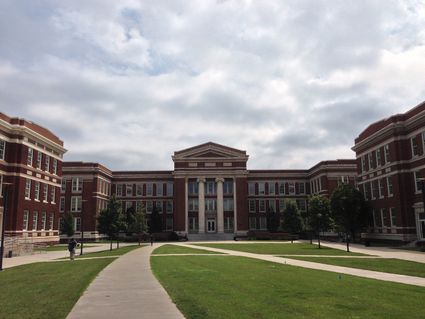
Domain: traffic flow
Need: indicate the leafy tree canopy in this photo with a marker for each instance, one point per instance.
(292, 221)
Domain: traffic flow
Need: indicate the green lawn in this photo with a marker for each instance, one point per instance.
(173, 249)
(237, 287)
(45, 290)
(106, 253)
(59, 248)
(394, 266)
(282, 249)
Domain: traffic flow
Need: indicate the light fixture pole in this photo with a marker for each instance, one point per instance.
(5, 202)
(319, 217)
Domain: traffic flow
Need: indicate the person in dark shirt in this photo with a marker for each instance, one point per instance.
(71, 247)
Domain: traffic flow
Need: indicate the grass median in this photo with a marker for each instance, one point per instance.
(174, 249)
(237, 287)
(282, 249)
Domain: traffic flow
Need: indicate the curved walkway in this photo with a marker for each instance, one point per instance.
(126, 288)
(403, 279)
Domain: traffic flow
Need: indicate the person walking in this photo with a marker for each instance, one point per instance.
(151, 239)
(71, 248)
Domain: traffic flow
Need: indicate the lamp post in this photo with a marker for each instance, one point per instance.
(82, 226)
(319, 217)
(5, 202)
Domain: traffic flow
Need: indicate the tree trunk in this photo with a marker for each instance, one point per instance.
(110, 248)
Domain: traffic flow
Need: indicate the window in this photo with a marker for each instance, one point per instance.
(25, 220)
(387, 153)
(252, 206)
(370, 156)
(53, 194)
(28, 189)
(47, 163)
(281, 205)
(77, 184)
(272, 188)
(363, 163)
(158, 206)
(62, 204)
(55, 166)
(119, 189)
(390, 186)
(385, 219)
(301, 188)
(291, 188)
(34, 220)
(76, 202)
(77, 223)
(301, 204)
(393, 217)
(63, 186)
(262, 205)
(51, 220)
(377, 221)
(43, 220)
(149, 189)
(210, 188)
(193, 224)
(193, 204)
(261, 188)
(169, 206)
(39, 159)
(129, 190)
(169, 224)
(374, 189)
(128, 205)
(2, 149)
(139, 190)
(251, 188)
(414, 144)
(159, 189)
(170, 189)
(272, 205)
(252, 223)
(193, 188)
(381, 188)
(281, 188)
(45, 192)
(228, 187)
(228, 204)
(210, 205)
(30, 156)
(149, 207)
(263, 223)
(37, 191)
(423, 142)
(228, 224)
(418, 183)
(378, 157)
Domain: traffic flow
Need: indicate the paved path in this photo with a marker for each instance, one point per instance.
(126, 288)
(410, 280)
(52, 255)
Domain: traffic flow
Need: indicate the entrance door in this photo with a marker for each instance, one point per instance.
(211, 225)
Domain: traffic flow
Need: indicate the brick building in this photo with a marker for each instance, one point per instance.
(209, 194)
(31, 162)
(390, 159)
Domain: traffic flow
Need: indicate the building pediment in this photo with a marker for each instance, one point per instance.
(210, 150)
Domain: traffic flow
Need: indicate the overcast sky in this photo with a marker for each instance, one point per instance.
(126, 83)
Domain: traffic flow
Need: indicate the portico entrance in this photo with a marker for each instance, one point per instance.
(211, 225)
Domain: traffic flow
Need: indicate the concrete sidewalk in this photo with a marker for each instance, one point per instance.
(51, 255)
(126, 288)
(403, 279)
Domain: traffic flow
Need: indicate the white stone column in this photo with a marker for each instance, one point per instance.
(235, 218)
(201, 205)
(186, 207)
(220, 206)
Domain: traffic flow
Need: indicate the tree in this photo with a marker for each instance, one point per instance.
(137, 222)
(292, 221)
(111, 220)
(349, 210)
(156, 221)
(319, 216)
(273, 220)
(67, 225)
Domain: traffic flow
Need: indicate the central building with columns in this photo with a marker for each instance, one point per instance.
(210, 194)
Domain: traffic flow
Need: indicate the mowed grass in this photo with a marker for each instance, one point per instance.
(390, 265)
(237, 287)
(59, 248)
(282, 249)
(45, 290)
(106, 253)
(174, 249)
